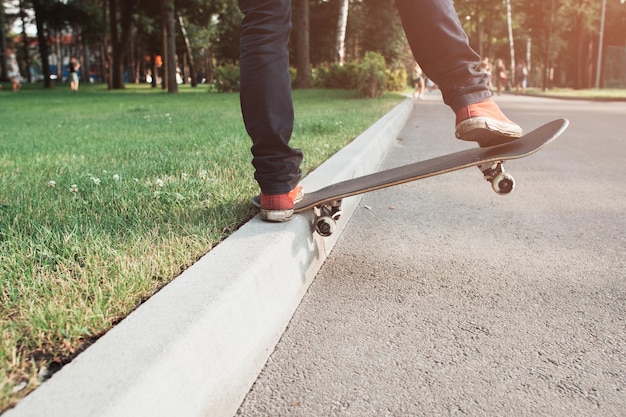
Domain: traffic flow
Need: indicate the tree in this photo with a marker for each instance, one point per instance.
(3, 45)
(323, 24)
(169, 46)
(125, 32)
(302, 30)
(485, 24)
(190, 57)
(120, 25)
(41, 13)
(342, 23)
(509, 21)
(375, 26)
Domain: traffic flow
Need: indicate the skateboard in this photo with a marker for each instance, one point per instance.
(326, 202)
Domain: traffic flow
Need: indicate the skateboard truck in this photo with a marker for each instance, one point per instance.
(501, 182)
(326, 216)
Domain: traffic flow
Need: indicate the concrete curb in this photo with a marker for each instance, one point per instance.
(197, 346)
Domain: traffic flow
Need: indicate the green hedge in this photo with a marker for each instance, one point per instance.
(370, 76)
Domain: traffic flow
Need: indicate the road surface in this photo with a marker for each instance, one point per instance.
(444, 299)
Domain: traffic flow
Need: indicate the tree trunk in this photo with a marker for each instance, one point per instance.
(547, 66)
(104, 74)
(509, 21)
(169, 26)
(29, 76)
(119, 42)
(190, 60)
(58, 54)
(342, 23)
(43, 43)
(303, 44)
(3, 46)
(600, 44)
(85, 66)
(208, 57)
(116, 79)
(153, 69)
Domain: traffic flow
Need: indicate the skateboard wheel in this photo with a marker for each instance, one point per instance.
(503, 183)
(325, 226)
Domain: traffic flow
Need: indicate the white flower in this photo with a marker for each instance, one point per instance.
(179, 197)
(74, 188)
(203, 174)
(156, 194)
(95, 180)
(116, 177)
(159, 182)
(185, 176)
(52, 184)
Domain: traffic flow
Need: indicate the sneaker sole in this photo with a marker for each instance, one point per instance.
(277, 215)
(487, 132)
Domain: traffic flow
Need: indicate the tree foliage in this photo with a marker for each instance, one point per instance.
(122, 39)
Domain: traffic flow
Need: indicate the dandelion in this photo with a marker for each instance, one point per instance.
(159, 182)
(116, 177)
(52, 184)
(74, 188)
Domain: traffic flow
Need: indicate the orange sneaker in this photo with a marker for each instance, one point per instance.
(279, 207)
(485, 123)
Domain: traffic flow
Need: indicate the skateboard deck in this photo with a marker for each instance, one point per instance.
(490, 160)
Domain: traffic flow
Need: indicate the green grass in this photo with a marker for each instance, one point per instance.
(590, 93)
(105, 197)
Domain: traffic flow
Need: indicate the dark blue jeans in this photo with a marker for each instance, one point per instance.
(437, 40)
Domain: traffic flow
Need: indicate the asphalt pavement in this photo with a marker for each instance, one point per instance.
(442, 298)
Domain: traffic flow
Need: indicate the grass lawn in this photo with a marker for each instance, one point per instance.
(105, 197)
(589, 93)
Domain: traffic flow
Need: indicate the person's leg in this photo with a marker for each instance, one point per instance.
(441, 47)
(266, 101)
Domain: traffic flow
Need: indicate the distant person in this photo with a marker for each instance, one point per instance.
(485, 65)
(418, 79)
(502, 79)
(73, 68)
(13, 70)
(521, 77)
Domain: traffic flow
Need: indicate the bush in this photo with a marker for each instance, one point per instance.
(336, 76)
(226, 78)
(396, 80)
(293, 74)
(372, 75)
